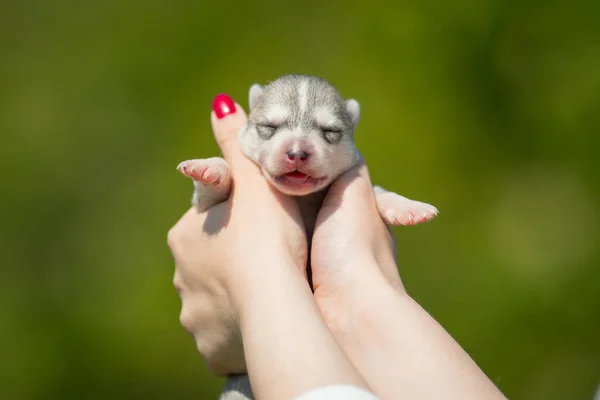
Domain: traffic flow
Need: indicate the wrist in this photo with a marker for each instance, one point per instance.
(269, 311)
(368, 287)
(369, 331)
(376, 280)
(255, 282)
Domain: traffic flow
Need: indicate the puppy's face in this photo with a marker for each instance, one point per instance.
(300, 132)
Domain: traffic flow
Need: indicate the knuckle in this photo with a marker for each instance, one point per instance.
(206, 350)
(186, 320)
(178, 282)
(173, 237)
(216, 368)
(220, 360)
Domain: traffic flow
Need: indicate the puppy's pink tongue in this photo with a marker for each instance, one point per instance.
(297, 175)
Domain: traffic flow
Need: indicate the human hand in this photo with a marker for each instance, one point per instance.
(353, 251)
(399, 349)
(241, 268)
(218, 252)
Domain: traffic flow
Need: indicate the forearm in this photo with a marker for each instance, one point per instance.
(402, 352)
(288, 347)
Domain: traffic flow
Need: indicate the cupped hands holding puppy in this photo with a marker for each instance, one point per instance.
(245, 298)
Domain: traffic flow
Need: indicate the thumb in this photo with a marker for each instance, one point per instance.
(227, 118)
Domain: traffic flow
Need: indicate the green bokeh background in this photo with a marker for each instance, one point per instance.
(487, 109)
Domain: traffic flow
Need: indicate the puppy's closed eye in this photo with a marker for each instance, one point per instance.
(332, 135)
(266, 130)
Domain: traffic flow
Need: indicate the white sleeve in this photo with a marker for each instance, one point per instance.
(338, 392)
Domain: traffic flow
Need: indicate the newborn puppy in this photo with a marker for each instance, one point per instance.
(300, 132)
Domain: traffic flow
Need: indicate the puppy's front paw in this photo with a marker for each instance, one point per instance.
(398, 210)
(207, 171)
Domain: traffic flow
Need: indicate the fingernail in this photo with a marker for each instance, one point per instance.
(223, 105)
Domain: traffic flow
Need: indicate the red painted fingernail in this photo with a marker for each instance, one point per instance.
(223, 105)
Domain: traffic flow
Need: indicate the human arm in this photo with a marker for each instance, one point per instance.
(398, 348)
(242, 261)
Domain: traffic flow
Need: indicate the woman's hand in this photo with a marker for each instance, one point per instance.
(219, 251)
(240, 269)
(353, 251)
(398, 348)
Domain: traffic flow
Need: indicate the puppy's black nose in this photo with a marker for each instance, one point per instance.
(294, 155)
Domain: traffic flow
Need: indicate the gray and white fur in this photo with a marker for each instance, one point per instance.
(300, 132)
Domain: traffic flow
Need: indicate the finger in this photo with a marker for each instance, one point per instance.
(185, 233)
(393, 243)
(227, 118)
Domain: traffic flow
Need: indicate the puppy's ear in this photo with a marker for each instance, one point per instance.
(353, 109)
(255, 92)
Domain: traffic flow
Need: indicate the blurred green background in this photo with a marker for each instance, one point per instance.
(487, 109)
